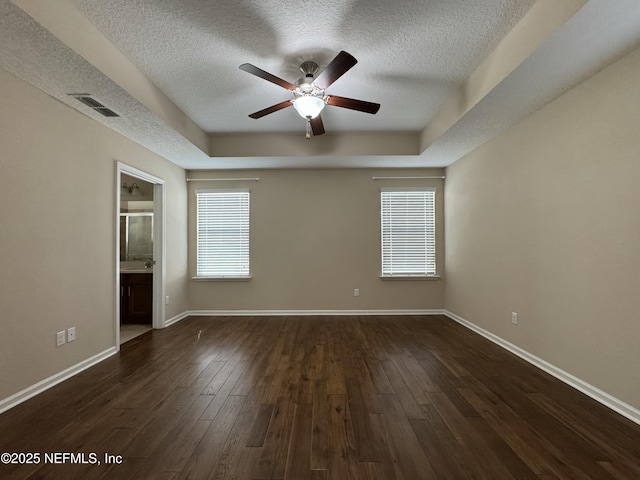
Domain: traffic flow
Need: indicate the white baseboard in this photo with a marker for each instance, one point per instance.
(47, 383)
(176, 319)
(604, 398)
(302, 313)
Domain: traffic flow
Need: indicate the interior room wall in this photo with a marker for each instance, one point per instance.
(315, 237)
(544, 221)
(57, 240)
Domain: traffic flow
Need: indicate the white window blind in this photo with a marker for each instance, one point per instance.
(222, 233)
(408, 232)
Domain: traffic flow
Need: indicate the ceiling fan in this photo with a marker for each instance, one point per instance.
(309, 97)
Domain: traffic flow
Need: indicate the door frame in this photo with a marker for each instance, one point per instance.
(159, 247)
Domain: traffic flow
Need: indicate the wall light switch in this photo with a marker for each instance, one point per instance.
(356, 292)
(514, 318)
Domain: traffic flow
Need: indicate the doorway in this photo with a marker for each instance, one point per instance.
(140, 252)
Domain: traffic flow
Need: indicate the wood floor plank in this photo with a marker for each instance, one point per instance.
(404, 449)
(604, 437)
(205, 457)
(369, 442)
(416, 378)
(401, 390)
(449, 385)
(206, 376)
(379, 377)
(312, 370)
(273, 458)
(471, 434)
(234, 453)
(320, 397)
(260, 425)
(576, 451)
(321, 444)
(172, 455)
(298, 458)
(623, 468)
(163, 420)
(336, 384)
(343, 455)
(223, 392)
(448, 458)
(232, 367)
(542, 457)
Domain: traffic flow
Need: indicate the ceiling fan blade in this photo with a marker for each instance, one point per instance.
(258, 72)
(316, 126)
(338, 67)
(352, 104)
(271, 109)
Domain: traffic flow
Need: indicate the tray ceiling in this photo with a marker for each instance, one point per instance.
(448, 74)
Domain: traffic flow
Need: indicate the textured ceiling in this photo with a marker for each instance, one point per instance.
(411, 55)
(414, 58)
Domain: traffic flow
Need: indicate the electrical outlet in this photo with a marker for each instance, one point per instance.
(514, 318)
(71, 334)
(60, 338)
(356, 292)
(166, 300)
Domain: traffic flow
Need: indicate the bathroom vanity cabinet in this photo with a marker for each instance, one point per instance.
(136, 298)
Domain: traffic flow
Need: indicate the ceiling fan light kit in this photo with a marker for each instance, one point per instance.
(309, 106)
(309, 92)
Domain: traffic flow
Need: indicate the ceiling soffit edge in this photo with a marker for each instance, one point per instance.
(538, 24)
(66, 23)
(296, 145)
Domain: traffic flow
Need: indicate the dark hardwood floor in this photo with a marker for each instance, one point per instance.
(318, 398)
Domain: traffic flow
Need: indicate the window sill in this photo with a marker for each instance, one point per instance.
(410, 277)
(221, 279)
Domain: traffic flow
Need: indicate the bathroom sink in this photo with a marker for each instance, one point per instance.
(136, 270)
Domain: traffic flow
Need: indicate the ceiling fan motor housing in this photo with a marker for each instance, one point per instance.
(305, 85)
(309, 69)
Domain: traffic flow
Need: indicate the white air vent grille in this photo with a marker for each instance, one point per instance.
(94, 104)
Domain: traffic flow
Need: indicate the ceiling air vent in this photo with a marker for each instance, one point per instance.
(92, 103)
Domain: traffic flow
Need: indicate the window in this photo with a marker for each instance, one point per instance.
(408, 232)
(222, 218)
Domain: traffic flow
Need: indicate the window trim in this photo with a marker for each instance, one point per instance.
(223, 277)
(427, 275)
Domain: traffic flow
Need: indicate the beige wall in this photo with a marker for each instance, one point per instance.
(544, 221)
(315, 237)
(57, 234)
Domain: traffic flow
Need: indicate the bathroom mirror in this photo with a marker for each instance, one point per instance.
(136, 236)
